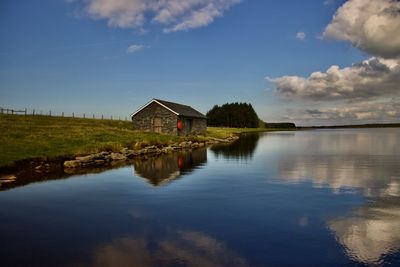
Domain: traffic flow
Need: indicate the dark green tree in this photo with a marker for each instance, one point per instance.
(239, 115)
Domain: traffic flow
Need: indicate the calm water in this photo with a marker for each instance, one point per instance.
(312, 198)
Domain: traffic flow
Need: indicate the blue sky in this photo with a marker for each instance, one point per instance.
(74, 56)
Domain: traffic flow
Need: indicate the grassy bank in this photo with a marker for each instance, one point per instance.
(220, 132)
(24, 137)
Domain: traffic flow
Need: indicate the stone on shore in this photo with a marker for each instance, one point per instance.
(117, 156)
(195, 145)
(72, 164)
(114, 158)
(131, 153)
(167, 149)
(7, 178)
(85, 159)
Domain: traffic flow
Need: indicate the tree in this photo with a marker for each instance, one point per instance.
(239, 115)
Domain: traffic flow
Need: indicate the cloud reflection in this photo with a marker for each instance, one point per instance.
(181, 248)
(345, 159)
(374, 176)
(372, 232)
(356, 160)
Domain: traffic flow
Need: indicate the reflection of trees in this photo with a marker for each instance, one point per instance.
(242, 148)
(161, 169)
(182, 248)
(371, 232)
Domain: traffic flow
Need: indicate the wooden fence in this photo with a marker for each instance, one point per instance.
(62, 114)
(13, 111)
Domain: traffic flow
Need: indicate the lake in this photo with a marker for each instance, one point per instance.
(304, 198)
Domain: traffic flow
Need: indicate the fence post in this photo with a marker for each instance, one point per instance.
(93, 116)
(83, 115)
(26, 110)
(50, 113)
(1, 110)
(73, 115)
(102, 117)
(33, 112)
(62, 114)
(12, 112)
(111, 117)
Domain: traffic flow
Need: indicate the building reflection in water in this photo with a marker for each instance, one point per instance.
(368, 163)
(180, 248)
(243, 148)
(165, 168)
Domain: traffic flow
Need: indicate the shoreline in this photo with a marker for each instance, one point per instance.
(40, 137)
(26, 171)
(88, 159)
(38, 169)
(105, 158)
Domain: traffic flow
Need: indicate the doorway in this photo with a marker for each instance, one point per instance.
(157, 125)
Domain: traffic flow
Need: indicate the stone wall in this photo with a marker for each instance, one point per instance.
(199, 126)
(144, 119)
(193, 126)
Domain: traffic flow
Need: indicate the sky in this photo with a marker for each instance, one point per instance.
(314, 62)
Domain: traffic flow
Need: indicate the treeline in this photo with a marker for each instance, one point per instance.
(238, 115)
(370, 125)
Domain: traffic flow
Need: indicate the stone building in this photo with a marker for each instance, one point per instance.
(170, 118)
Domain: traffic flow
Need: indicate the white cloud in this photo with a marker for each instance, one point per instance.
(359, 112)
(329, 2)
(119, 13)
(370, 79)
(301, 36)
(197, 18)
(359, 92)
(134, 48)
(174, 15)
(372, 26)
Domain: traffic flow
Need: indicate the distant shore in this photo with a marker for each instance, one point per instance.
(369, 125)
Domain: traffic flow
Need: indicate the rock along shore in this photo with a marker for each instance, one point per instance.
(105, 158)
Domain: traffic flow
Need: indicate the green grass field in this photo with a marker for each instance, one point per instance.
(23, 137)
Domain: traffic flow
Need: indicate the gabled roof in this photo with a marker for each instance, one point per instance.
(178, 109)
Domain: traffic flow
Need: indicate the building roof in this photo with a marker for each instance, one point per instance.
(178, 109)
